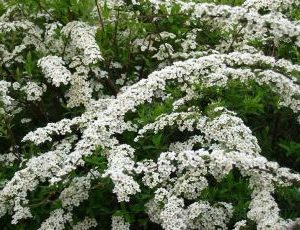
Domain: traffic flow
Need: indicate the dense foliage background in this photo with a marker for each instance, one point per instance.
(116, 84)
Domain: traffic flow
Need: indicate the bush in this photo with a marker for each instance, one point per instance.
(150, 114)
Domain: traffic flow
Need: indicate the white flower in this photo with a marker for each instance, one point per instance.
(86, 224)
(33, 91)
(57, 220)
(54, 70)
(83, 38)
(118, 223)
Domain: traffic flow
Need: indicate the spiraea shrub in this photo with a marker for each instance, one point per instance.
(150, 114)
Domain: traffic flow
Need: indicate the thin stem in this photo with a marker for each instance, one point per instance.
(99, 14)
(11, 138)
(44, 9)
(235, 36)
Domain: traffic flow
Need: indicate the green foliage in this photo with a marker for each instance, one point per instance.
(232, 189)
(292, 149)
(289, 202)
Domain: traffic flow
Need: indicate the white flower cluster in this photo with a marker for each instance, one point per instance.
(33, 91)
(77, 191)
(8, 105)
(265, 212)
(44, 134)
(83, 39)
(198, 215)
(54, 70)
(6, 100)
(51, 39)
(118, 223)
(31, 36)
(14, 194)
(120, 169)
(86, 224)
(57, 220)
(80, 91)
(226, 128)
(8, 158)
(165, 51)
(203, 215)
(273, 26)
(112, 4)
(273, 5)
(144, 44)
(201, 162)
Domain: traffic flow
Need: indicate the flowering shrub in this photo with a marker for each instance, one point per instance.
(150, 114)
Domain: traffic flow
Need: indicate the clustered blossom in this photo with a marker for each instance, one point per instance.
(198, 215)
(31, 37)
(83, 38)
(218, 140)
(6, 100)
(232, 130)
(8, 105)
(57, 220)
(8, 158)
(86, 224)
(118, 223)
(209, 216)
(54, 70)
(44, 134)
(120, 167)
(80, 91)
(27, 180)
(165, 51)
(274, 5)
(272, 26)
(77, 191)
(33, 91)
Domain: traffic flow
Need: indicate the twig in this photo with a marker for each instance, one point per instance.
(44, 9)
(99, 14)
(12, 138)
(235, 36)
